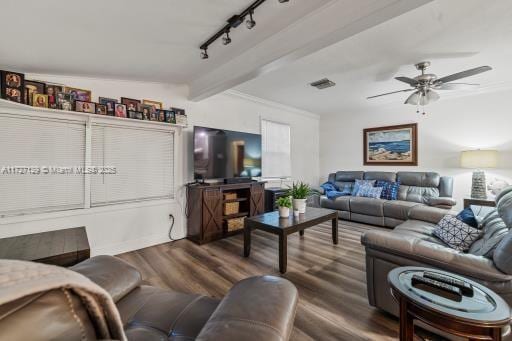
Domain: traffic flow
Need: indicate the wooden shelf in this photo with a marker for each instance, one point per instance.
(236, 215)
(234, 200)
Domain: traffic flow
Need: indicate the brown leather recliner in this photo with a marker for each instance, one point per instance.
(257, 308)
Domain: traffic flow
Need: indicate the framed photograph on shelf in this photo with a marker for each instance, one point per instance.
(155, 104)
(147, 111)
(40, 100)
(110, 103)
(64, 101)
(136, 115)
(52, 90)
(131, 104)
(31, 88)
(12, 86)
(160, 114)
(83, 106)
(101, 109)
(392, 145)
(170, 116)
(79, 94)
(120, 110)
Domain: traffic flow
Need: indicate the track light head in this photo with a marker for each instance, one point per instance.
(226, 40)
(204, 54)
(250, 23)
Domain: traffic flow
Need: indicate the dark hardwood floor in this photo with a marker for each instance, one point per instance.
(330, 278)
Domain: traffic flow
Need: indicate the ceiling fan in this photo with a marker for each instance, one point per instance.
(425, 84)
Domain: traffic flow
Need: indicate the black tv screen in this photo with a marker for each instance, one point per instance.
(223, 154)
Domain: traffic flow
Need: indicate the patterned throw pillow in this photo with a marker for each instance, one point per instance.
(358, 183)
(369, 192)
(457, 234)
(389, 189)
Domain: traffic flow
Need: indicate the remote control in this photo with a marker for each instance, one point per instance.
(436, 287)
(465, 288)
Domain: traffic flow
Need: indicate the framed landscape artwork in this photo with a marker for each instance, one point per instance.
(393, 145)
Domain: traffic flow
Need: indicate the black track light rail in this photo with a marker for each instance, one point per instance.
(229, 26)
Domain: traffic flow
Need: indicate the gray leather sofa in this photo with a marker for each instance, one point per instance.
(417, 189)
(257, 308)
(413, 244)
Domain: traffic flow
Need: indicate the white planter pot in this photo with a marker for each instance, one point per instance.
(299, 205)
(284, 212)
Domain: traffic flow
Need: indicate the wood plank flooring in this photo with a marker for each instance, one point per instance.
(330, 278)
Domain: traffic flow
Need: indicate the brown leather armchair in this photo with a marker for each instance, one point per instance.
(257, 308)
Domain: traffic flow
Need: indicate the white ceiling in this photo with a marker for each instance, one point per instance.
(155, 40)
(455, 35)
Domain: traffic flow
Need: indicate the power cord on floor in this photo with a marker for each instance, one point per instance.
(172, 226)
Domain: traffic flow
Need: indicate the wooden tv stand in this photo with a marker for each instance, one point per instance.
(206, 221)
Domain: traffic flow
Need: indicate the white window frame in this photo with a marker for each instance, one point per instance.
(272, 176)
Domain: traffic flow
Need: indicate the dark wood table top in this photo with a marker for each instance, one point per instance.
(485, 307)
(271, 220)
(61, 247)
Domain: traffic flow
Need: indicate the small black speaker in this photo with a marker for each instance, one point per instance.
(232, 181)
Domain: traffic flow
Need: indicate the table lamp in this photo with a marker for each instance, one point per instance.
(478, 160)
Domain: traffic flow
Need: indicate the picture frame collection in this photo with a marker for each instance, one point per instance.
(14, 87)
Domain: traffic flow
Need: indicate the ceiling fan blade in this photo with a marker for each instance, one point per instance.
(390, 93)
(455, 86)
(464, 74)
(410, 81)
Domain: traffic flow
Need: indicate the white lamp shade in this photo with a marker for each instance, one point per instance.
(479, 159)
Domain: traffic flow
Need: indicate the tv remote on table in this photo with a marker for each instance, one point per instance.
(465, 288)
(439, 288)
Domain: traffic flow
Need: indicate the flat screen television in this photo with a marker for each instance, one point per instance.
(225, 154)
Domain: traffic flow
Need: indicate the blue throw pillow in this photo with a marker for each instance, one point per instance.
(389, 189)
(335, 194)
(358, 183)
(369, 192)
(468, 217)
(329, 186)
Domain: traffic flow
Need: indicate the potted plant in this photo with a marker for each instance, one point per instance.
(284, 204)
(299, 192)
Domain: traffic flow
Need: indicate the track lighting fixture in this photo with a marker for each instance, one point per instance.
(233, 22)
(226, 40)
(204, 54)
(250, 23)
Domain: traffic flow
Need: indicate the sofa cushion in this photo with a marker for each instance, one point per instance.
(457, 234)
(340, 203)
(494, 229)
(502, 256)
(149, 312)
(418, 229)
(467, 216)
(398, 209)
(369, 192)
(359, 183)
(389, 189)
(367, 206)
(348, 176)
(380, 176)
(504, 205)
(417, 194)
(419, 179)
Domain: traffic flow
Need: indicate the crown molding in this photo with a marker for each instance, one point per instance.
(272, 104)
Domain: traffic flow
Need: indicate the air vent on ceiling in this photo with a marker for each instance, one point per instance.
(323, 84)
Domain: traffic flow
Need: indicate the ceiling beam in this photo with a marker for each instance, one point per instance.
(329, 24)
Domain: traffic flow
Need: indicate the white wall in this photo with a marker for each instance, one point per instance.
(122, 228)
(449, 127)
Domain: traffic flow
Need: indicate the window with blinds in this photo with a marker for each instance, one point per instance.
(143, 159)
(276, 145)
(38, 162)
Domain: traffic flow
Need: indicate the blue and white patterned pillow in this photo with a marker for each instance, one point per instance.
(369, 192)
(389, 189)
(457, 234)
(359, 183)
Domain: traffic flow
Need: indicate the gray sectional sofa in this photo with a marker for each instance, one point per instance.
(413, 244)
(417, 190)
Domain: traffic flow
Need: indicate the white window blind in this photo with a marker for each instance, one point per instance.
(144, 162)
(276, 146)
(38, 143)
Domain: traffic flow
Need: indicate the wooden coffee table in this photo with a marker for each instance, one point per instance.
(270, 222)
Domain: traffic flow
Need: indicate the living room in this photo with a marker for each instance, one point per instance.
(185, 219)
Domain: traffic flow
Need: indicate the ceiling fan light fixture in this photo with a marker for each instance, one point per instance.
(413, 99)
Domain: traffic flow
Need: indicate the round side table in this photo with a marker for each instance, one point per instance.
(484, 316)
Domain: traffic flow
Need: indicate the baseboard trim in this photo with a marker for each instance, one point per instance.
(130, 245)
